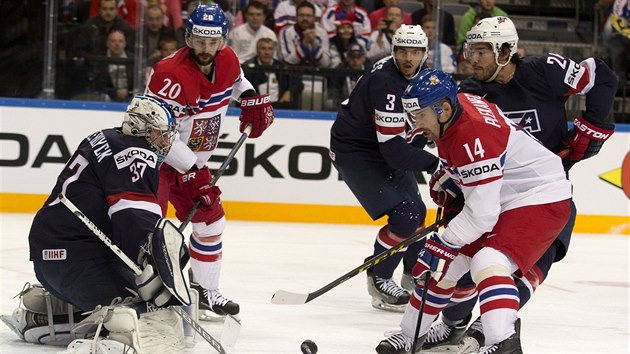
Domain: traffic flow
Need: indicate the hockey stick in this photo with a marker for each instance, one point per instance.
(183, 314)
(423, 300)
(215, 178)
(282, 297)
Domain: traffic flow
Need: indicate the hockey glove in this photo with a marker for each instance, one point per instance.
(197, 183)
(257, 112)
(442, 187)
(151, 288)
(435, 257)
(163, 257)
(585, 140)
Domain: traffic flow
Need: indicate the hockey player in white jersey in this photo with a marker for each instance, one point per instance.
(112, 179)
(517, 199)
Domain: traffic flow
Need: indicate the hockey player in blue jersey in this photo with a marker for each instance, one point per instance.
(376, 154)
(112, 178)
(532, 92)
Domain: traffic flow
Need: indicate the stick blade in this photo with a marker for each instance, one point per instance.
(282, 297)
(229, 334)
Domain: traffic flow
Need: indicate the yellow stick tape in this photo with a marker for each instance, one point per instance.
(329, 214)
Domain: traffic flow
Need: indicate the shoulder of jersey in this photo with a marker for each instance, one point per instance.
(179, 59)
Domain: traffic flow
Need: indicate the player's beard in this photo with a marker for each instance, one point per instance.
(202, 59)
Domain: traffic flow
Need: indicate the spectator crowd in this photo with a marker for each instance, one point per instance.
(110, 40)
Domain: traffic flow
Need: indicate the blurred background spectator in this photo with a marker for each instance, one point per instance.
(346, 10)
(304, 43)
(485, 8)
(156, 30)
(382, 37)
(285, 13)
(447, 23)
(243, 38)
(94, 31)
(445, 56)
(341, 42)
(378, 14)
(276, 85)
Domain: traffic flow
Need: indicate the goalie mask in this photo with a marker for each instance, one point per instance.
(151, 118)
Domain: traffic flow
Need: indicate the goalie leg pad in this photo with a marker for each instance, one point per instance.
(122, 324)
(43, 318)
(162, 331)
(170, 256)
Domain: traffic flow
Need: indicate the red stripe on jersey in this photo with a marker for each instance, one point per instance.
(205, 257)
(499, 304)
(138, 197)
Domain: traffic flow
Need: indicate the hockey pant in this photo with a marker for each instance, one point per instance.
(208, 223)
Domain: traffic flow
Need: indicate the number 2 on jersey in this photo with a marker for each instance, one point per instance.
(478, 150)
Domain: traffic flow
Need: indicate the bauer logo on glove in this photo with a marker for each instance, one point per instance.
(256, 112)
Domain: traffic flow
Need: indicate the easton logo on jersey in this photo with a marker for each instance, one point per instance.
(528, 119)
(127, 156)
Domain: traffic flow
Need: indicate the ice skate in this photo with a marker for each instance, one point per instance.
(511, 345)
(443, 337)
(398, 343)
(212, 305)
(386, 294)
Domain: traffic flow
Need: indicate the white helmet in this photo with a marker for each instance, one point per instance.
(146, 114)
(496, 31)
(411, 36)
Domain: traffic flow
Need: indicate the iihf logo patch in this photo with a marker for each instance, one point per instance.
(55, 254)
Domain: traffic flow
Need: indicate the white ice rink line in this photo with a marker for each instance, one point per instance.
(581, 308)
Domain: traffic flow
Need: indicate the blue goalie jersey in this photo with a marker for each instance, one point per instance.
(113, 179)
(371, 129)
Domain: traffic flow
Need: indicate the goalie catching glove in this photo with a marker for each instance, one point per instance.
(257, 112)
(163, 258)
(585, 140)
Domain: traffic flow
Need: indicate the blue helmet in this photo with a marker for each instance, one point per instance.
(428, 89)
(207, 21)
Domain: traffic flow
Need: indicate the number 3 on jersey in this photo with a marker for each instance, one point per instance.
(478, 150)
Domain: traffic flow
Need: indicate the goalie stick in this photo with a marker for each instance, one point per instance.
(283, 297)
(218, 346)
(217, 174)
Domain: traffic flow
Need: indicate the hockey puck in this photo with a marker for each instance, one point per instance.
(308, 347)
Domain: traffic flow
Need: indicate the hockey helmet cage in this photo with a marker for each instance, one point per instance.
(428, 89)
(146, 114)
(495, 31)
(207, 21)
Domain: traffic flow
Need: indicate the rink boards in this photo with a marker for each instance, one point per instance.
(285, 175)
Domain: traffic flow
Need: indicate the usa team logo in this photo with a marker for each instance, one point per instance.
(528, 119)
(204, 135)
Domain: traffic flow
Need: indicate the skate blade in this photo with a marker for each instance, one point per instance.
(209, 316)
(8, 320)
(380, 305)
(466, 346)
